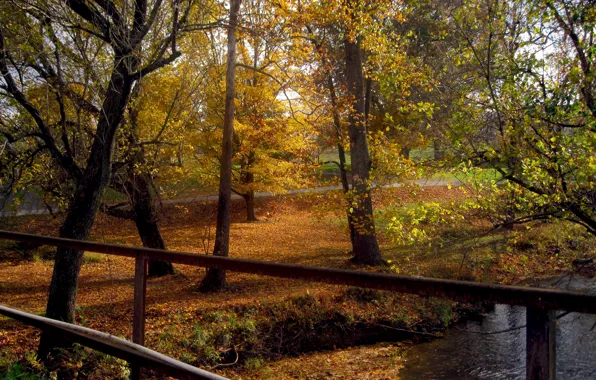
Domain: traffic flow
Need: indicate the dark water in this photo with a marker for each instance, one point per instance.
(467, 355)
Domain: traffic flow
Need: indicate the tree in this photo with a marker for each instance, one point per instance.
(338, 33)
(134, 179)
(527, 109)
(216, 278)
(366, 247)
(121, 35)
(272, 135)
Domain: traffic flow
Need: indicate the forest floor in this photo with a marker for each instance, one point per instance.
(268, 327)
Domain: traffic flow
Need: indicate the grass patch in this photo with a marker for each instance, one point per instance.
(486, 174)
(92, 258)
(422, 154)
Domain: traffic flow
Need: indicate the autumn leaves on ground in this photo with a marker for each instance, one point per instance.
(268, 327)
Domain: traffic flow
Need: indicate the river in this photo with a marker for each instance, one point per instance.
(467, 352)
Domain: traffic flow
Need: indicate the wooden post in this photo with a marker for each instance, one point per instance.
(540, 344)
(138, 324)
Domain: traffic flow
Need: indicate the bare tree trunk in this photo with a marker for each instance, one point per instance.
(365, 245)
(249, 199)
(145, 217)
(438, 150)
(144, 213)
(85, 204)
(405, 152)
(216, 278)
(247, 178)
(367, 99)
(342, 154)
(142, 201)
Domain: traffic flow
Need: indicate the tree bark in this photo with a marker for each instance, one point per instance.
(342, 153)
(247, 178)
(438, 150)
(365, 245)
(146, 222)
(249, 199)
(215, 278)
(85, 204)
(142, 201)
(405, 152)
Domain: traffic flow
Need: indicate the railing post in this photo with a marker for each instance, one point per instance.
(138, 324)
(540, 344)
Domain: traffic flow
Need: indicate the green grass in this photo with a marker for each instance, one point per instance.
(92, 258)
(471, 176)
(422, 154)
(112, 195)
(17, 371)
(332, 155)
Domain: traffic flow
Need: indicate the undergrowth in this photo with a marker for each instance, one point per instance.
(246, 336)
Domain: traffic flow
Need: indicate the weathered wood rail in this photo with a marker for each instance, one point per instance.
(109, 344)
(540, 303)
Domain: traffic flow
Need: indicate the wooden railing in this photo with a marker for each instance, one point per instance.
(135, 354)
(540, 303)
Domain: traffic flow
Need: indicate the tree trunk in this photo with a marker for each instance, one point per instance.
(342, 153)
(438, 150)
(365, 245)
(405, 152)
(247, 178)
(249, 199)
(85, 204)
(346, 187)
(146, 222)
(215, 278)
(142, 201)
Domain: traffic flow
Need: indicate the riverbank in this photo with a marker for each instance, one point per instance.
(260, 322)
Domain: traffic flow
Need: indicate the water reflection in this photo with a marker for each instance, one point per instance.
(466, 353)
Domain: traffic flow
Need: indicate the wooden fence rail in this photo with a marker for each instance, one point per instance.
(538, 301)
(109, 344)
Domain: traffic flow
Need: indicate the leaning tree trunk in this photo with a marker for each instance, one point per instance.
(365, 245)
(84, 206)
(143, 212)
(216, 278)
(145, 217)
(142, 201)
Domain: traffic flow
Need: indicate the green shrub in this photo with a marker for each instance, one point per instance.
(29, 367)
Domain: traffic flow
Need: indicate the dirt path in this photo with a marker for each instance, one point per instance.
(33, 205)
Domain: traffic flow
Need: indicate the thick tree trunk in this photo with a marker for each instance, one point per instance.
(146, 222)
(365, 245)
(84, 205)
(216, 278)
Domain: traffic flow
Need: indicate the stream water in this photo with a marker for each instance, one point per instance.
(466, 353)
